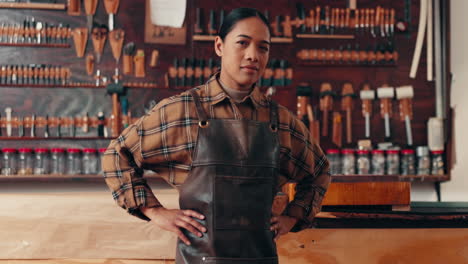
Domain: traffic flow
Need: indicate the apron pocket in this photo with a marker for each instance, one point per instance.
(218, 260)
(242, 202)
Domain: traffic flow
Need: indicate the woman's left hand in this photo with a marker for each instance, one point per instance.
(282, 224)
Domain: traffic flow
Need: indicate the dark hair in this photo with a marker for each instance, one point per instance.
(239, 14)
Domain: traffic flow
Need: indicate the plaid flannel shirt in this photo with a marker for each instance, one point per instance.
(164, 140)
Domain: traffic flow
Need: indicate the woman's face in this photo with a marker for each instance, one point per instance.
(244, 53)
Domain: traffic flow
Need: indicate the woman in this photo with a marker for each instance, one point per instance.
(228, 149)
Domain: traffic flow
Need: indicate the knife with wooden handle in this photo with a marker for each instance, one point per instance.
(90, 10)
(111, 7)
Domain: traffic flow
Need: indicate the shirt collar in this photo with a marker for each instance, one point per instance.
(216, 94)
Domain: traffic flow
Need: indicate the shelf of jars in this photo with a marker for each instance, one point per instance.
(335, 178)
(389, 178)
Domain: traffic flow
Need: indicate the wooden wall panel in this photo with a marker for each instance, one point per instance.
(130, 17)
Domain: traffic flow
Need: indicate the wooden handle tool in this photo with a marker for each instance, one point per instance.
(337, 135)
(386, 94)
(367, 95)
(404, 95)
(326, 105)
(347, 95)
(116, 39)
(90, 64)
(99, 37)
(111, 7)
(90, 10)
(74, 7)
(314, 125)
(80, 38)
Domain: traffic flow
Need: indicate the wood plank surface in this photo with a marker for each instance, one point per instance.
(368, 193)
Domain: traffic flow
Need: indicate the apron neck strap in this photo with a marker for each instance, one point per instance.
(274, 114)
(200, 111)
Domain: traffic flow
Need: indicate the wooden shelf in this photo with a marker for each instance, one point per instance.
(203, 38)
(62, 178)
(335, 178)
(79, 85)
(35, 45)
(304, 63)
(33, 6)
(322, 36)
(212, 38)
(390, 178)
(281, 40)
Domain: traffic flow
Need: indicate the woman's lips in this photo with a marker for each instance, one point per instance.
(249, 68)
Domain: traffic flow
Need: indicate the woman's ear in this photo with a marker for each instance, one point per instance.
(218, 45)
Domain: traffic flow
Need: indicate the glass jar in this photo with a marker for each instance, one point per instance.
(57, 161)
(438, 164)
(25, 161)
(89, 161)
(41, 161)
(101, 154)
(348, 162)
(73, 161)
(9, 161)
(424, 161)
(378, 162)
(393, 162)
(408, 163)
(363, 162)
(333, 156)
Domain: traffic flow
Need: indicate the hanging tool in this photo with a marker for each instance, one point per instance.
(429, 41)
(139, 61)
(33, 125)
(116, 39)
(198, 29)
(314, 124)
(347, 95)
(386, 94)
(337, 129)
(116, 89)
(74, 7)
(367, 95)
(154, 58)
(46, 126)
(80, 38)
(8, 119)
(436, 125)
(99, 37)
(90, 9)
(404, 95)
(212, 23)
(129, 52)
(326, 105)
(90, 64)
(419, 39)
(301, 14)
(111, 7)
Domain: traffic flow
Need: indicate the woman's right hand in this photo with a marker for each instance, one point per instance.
(174, 219)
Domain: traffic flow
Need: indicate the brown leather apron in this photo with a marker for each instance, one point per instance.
(232, 182)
